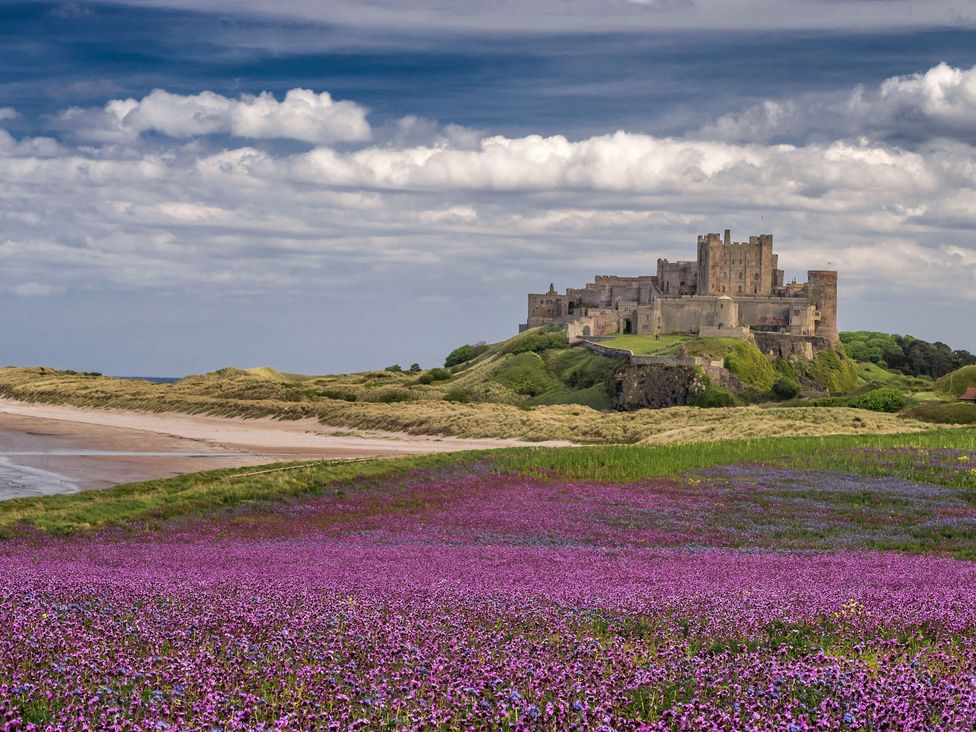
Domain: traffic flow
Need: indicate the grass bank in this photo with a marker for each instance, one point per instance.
(145, 505)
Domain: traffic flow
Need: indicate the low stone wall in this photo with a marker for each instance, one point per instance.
(608, 351)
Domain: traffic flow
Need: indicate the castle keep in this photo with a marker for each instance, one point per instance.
(733, 289)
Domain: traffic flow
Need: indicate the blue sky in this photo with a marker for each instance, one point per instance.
(432, 163)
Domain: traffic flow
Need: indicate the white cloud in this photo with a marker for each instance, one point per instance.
(35, 289)
(190, 217)
(939, 103)
(302, 115)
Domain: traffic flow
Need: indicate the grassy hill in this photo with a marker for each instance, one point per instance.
(955, 383)
(532, 387)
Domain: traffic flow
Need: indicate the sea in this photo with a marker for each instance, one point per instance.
(21, 481)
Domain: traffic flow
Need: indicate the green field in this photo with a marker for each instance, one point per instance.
(665, 345)
(148, 504)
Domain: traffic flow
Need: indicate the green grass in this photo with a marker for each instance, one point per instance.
(874, 374)
(148, 504)
(945, 412)
(832, 371)
(957, 382)
(526, 374)
(750, 366)
(666, 345)
(627, 463)
(594, 397)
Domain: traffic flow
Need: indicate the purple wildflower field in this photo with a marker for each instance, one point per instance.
(730, 598)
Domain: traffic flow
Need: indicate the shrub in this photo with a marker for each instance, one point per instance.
(463, 354)
(391, 396)
(713, 396)
(395, 368)
(415, 368)
(434, 375)
(439, 374)
(786, 389)
(341, 394)
(880, 400)
(457, 395)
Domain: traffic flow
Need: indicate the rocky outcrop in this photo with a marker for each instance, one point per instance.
(790, 347)
(653, 386)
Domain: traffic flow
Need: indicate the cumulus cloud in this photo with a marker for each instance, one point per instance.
(205, 216)
(939, 103)
(302, 115)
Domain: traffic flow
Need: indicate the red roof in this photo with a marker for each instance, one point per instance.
(969, 395)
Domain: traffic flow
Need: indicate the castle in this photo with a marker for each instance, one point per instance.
(733, 289)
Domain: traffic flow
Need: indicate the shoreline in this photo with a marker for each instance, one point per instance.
(96, 448)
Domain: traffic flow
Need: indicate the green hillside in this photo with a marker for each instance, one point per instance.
(957, 382)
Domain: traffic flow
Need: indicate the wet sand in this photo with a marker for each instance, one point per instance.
(54, 449)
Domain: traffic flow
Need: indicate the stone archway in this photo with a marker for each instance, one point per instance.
(628, 326)
(586, 331)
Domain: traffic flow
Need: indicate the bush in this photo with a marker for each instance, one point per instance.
(391, 396)
(346, 396)
(415, 368)
(786, 389)
(434, 375)
(457, 395)
(714, 396)
(439, 374)
(880, 400)
(394, 368)
(463, 354)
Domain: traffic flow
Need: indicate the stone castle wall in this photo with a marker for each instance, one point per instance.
(682, 297)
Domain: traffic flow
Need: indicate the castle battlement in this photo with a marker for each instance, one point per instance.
(731, 288)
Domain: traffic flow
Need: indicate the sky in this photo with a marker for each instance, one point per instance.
(338, 186)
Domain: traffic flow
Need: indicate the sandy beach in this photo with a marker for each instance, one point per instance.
(51, 449)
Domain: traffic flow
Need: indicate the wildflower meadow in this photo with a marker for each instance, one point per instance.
(746, 596)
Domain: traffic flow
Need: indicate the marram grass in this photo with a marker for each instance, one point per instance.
(235, 393)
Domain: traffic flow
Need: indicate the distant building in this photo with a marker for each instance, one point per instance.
(733, 289)
(969, 395)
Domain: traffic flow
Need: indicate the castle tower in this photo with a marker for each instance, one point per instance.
(822, 290)
(726, 312)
